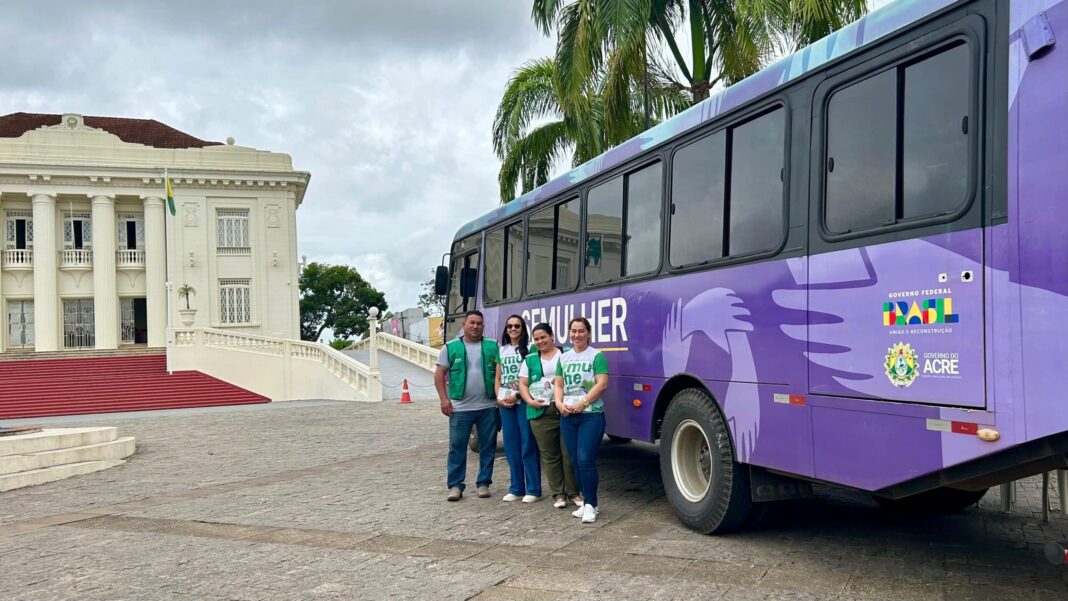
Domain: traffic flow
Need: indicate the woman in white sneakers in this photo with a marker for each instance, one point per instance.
(536, 386)
(520, 448)
(581, 379)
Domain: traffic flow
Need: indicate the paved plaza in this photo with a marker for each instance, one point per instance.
(324, 500)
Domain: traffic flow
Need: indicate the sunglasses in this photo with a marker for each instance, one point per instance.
(514, 326)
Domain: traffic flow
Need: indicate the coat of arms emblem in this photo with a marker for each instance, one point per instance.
(901, 365)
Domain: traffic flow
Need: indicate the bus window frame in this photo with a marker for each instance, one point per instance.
(522, 220)
(623, 171)
(971, 29)
(766, 105)
(571, 195)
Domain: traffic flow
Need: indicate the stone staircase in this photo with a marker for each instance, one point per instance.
(57, 453)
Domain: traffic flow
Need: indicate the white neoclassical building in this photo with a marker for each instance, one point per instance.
(90, 245)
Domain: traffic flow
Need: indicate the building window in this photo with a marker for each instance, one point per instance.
(131, 231)
(19, 230)
(898, 143)
(235, 301)
(77, 231)
(232, 232)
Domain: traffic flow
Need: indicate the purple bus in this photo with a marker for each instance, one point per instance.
(850, 268)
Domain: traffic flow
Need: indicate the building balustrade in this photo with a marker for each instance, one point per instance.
(75, 259)
(130, 259)
(233, 250)
(20, 258)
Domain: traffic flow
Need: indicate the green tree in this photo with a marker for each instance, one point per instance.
(729, 39)
(335, 297)
(536, 126)
(619, 69)
(431, 303)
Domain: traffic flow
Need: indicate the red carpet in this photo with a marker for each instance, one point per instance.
(44, 387)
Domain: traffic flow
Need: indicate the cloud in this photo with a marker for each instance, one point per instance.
(388, 104)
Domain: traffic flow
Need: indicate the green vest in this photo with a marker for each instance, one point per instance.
(534, 374)
(458, 367)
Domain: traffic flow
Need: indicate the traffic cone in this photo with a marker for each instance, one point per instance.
(405, 397)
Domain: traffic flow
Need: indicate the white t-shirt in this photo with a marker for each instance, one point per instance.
(543, 390)
(578, 371)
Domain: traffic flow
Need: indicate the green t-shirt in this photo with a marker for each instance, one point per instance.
(510, 362)
(578, 371)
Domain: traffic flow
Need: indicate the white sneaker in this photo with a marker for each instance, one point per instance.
(577, 500)
(581, 511)
(531, 499)
(589, 514)
(508, 498)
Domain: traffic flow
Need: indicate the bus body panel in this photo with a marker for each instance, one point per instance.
(795, 350)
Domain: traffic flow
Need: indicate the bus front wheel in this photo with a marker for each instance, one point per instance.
(707, 488)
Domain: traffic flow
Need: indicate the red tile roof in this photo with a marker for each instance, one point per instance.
(136, 131)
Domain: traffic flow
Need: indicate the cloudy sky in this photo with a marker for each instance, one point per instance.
(388, 103)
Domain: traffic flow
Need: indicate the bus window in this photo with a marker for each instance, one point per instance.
(540, 251)
(623, 226)
(644, 201)
(495, 269)
(756, 213)
(697, 190)
(567, 245)
(604, 232)
(504, 265)
(513, 261)
(553, 248)
(897, 143)
(935, 139)
(861, 153)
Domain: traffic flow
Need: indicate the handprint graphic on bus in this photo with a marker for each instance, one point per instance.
(718, 314)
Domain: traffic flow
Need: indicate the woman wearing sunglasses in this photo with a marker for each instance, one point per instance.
(519, 446)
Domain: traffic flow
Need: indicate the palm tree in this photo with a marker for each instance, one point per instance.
(729, 39)
(535, 128)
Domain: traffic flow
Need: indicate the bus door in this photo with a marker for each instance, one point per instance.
(896, 271)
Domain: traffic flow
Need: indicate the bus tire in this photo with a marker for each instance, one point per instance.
(938, 500)
(706, 487)
(619, 439)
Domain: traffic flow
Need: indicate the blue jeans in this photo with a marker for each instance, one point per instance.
(582, 434)
(521, 450)
(460, 423)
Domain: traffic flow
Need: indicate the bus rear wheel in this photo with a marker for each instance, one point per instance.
(706, 487)
(938, 500)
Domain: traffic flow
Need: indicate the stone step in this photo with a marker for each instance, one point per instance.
(120, 448)
(50, 439)
(51, 474)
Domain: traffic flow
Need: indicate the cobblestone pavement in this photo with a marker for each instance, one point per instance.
(347, 501)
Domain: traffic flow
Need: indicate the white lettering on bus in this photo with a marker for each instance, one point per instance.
(607, 316)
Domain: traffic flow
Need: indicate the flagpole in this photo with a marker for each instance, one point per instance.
(167, 276)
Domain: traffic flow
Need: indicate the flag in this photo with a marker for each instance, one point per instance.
(170, 197)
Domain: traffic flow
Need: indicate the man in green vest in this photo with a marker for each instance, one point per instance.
(469, 363)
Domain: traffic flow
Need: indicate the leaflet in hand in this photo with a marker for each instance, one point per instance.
(542, 391)
(572, 400)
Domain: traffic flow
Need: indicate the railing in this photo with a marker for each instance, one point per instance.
(130, 259)
(233, 250)
(285, 369)
(21, 258)
(420, 354)
(75, 259)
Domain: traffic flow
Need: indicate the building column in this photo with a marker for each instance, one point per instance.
(3, 305)
(105, 292)
(156, 270)
(46, 318)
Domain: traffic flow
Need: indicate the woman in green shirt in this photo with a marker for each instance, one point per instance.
(581, 378)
